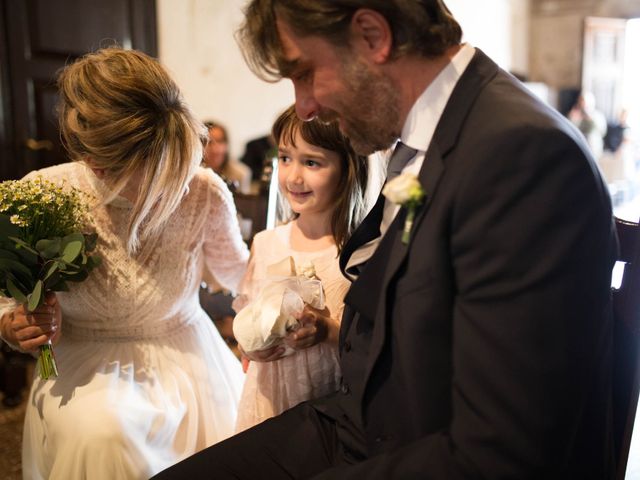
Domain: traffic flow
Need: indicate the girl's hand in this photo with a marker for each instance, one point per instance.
(315, 326)
(28, 330)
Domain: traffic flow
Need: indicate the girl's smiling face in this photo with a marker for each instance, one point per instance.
(308, 176)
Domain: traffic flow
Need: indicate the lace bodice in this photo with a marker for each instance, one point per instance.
(155, 291)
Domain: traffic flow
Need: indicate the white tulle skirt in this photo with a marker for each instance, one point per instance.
(129, 408)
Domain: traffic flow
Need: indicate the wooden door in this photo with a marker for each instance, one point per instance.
(603, 62)
(39, 37)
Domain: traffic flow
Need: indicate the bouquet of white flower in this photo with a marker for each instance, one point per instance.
(271, 315)
(42, 246)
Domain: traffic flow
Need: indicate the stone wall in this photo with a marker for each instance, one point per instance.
(556, 29)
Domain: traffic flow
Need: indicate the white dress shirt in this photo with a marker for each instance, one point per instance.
(417, 133)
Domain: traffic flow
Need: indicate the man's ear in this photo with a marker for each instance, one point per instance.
(371, 34)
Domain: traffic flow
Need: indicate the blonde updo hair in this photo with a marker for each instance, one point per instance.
(120, 110)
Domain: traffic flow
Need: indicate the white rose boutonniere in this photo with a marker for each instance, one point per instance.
(406, 191)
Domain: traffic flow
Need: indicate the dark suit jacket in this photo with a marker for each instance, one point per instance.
(482, 349)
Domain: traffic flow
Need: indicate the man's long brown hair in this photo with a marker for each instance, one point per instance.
(419, 27)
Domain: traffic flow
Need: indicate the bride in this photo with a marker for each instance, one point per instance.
(145, 379)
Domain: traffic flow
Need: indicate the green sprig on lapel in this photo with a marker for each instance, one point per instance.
(405, 190)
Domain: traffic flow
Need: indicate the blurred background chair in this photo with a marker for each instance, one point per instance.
(252, 212)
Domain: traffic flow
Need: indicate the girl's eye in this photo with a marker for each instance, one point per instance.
(283, 159)
(311, 163)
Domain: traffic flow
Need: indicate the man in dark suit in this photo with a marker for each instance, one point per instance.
(476, 339)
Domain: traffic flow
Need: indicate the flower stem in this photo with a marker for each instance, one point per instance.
(408, 223)
(47, 367)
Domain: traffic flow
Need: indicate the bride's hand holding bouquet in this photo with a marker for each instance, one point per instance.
(42, 248)
(28, 330)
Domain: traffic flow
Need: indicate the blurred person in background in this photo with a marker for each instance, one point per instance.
(217, 157)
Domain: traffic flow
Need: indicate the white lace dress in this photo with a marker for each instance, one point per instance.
(273, 387)
(145, 378)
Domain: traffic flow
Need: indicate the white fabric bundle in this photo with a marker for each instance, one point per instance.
(263, 322)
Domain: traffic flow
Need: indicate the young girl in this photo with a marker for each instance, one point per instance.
(323, 183)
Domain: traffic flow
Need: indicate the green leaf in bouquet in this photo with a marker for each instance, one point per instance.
(52, 280)
(72, 245)
(88, 263)
(93, 261)
(51, 269)
(90, 241)
(15, 267)
(8, 255)
(49, 248)
(23, 283)
(15, 292)
(68, 268)
(77, 277)
(34, 299)
(78, 261)
(59, 285)
(22, 244)
(28, 258)
(21, 265)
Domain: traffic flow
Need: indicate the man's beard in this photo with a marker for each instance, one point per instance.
(369, 107)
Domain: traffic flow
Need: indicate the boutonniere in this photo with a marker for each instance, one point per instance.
(406, 191)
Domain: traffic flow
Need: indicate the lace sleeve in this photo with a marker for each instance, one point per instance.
(247, 285)
(225, 253)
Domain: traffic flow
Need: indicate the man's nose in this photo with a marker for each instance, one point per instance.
(307, 108)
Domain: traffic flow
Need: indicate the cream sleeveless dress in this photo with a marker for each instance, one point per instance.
(273, 387)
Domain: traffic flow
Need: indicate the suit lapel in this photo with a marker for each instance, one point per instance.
(480, 70)
(429, 177)
(368, 229)
(368, 294)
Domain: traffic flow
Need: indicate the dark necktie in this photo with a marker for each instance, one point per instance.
(399, 158)
(370, 226)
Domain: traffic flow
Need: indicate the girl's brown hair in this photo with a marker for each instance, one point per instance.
(349, 206)
(120, 110)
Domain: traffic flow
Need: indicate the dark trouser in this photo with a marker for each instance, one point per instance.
(300, 443)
